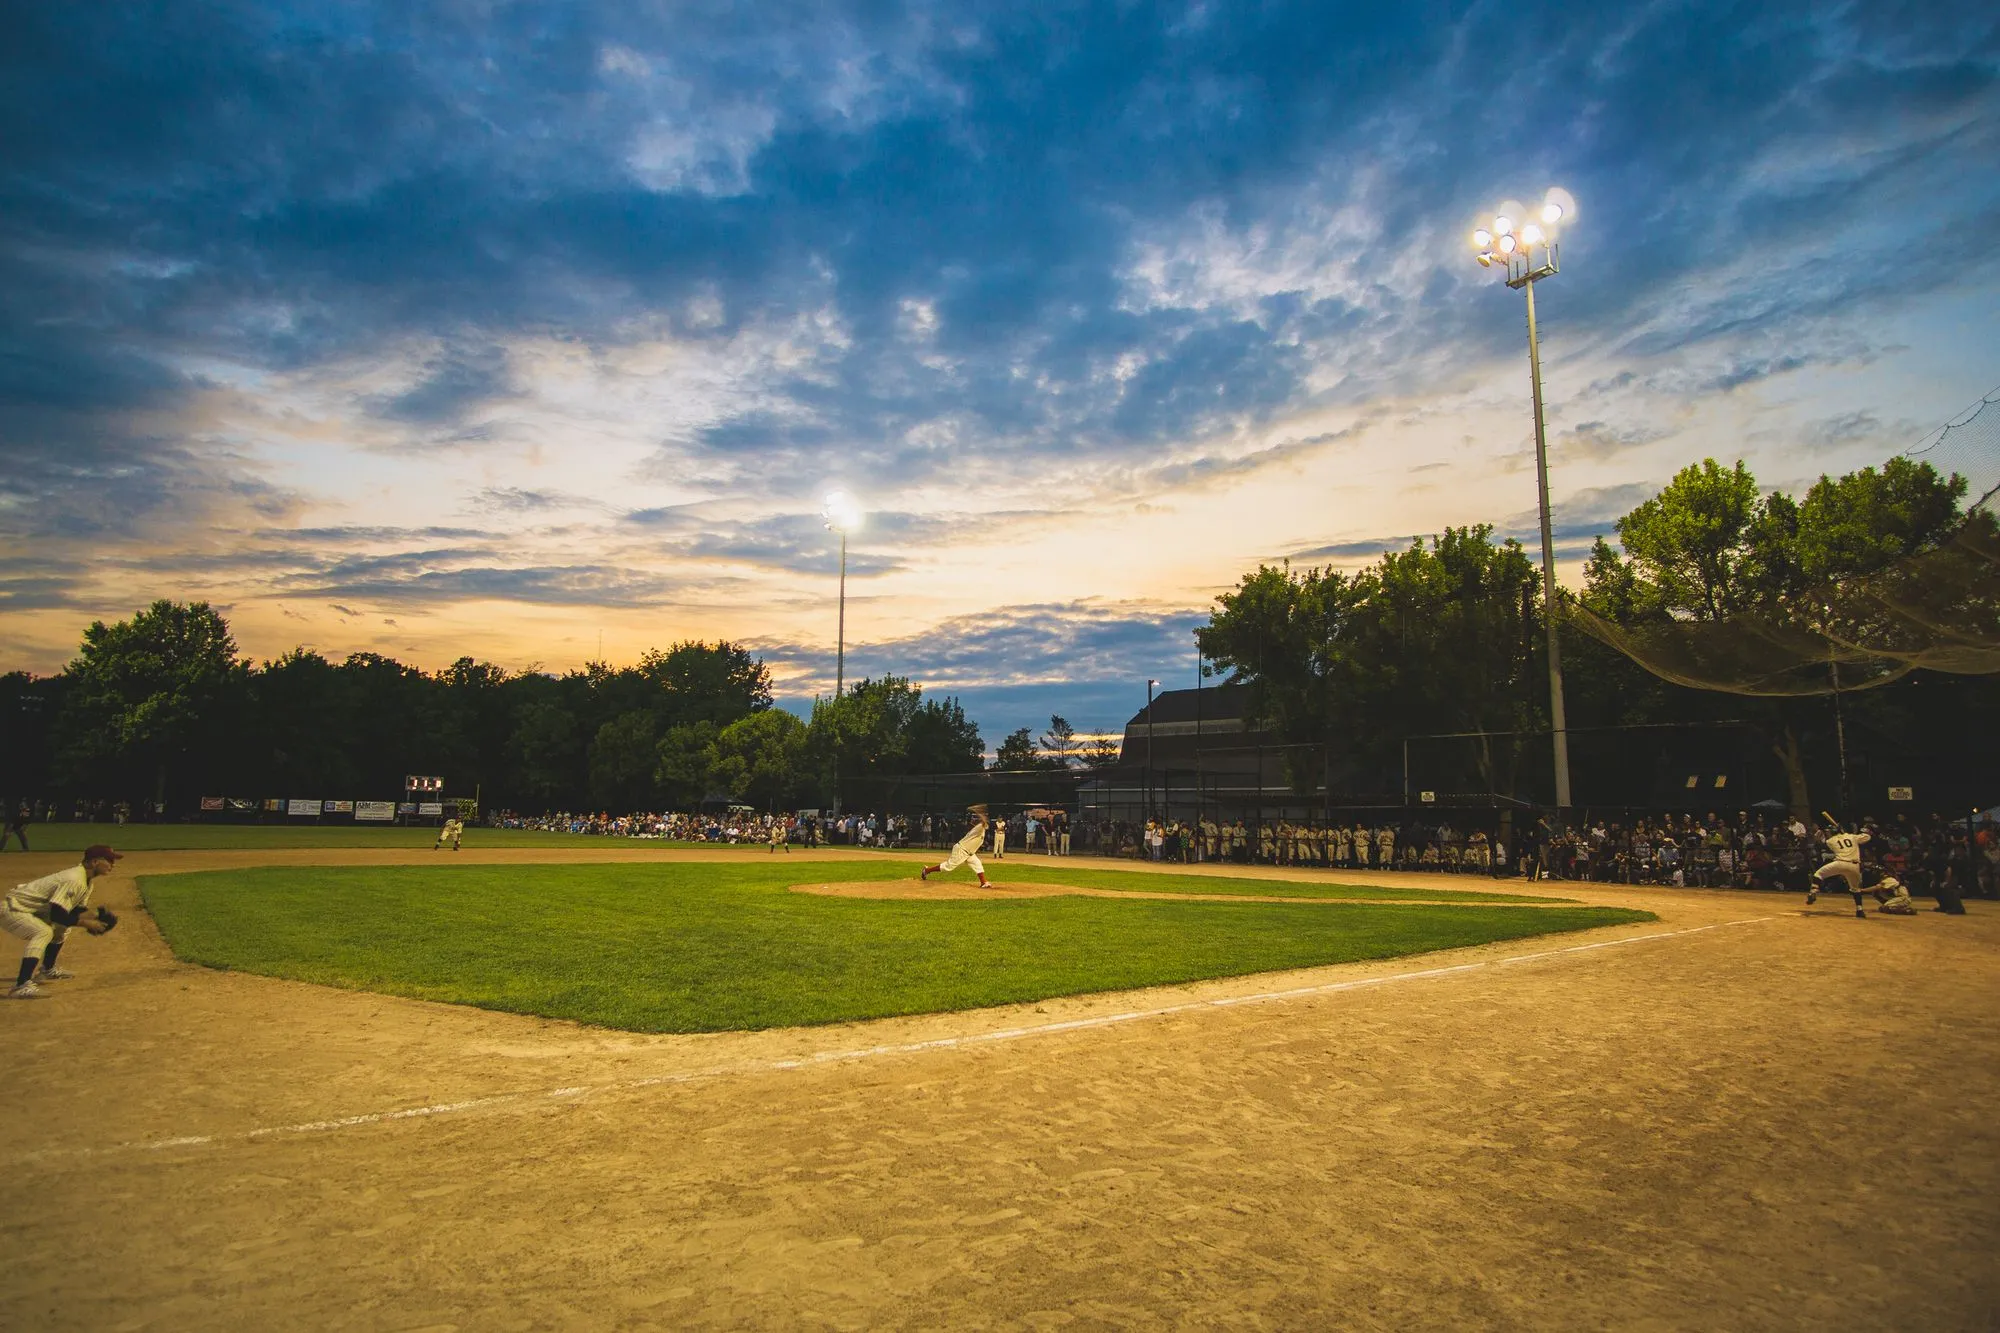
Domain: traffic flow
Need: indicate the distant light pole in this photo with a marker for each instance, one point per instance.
(843, 516)
(1150, 684)
(1512, 241)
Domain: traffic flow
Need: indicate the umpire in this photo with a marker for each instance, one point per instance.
(42, 911)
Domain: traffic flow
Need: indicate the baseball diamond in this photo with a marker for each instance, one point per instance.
(1521, 1133)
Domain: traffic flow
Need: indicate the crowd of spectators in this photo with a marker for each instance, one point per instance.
(1748, 850)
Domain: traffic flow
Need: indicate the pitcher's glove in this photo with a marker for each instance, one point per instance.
(101, 923)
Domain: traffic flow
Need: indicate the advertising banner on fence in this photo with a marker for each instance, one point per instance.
(303, 807)
(242, 803)
(375, 810)
(430, 807)
(213, 803)
(275, 804)
(338, 808)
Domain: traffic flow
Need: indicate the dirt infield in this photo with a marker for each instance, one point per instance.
(1744, 1115)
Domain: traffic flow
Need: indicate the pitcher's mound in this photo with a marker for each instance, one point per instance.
(933, 889)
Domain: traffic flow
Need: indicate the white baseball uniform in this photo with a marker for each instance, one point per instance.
(453, 830)
(965, 852)
(1846, 862)
(25, 912)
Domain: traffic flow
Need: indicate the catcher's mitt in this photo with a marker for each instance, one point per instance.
(102, 923)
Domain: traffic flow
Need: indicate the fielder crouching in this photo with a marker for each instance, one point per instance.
(41, 912)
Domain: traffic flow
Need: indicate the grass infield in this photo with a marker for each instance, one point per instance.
(704, 947)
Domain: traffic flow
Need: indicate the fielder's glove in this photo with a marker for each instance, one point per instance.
(102, 923)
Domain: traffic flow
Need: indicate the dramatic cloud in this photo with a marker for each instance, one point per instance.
(539, 322)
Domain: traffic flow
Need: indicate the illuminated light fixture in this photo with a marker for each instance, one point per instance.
(1525, 258)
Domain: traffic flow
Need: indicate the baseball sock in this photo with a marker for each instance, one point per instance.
(49, 955)
(28, 966)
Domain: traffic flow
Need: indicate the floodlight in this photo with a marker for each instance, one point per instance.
(1502, 225)
(1506, 245)
(1481, 238)
(842, 513)
(1485, 258)
(1531, 235)
(1552, 213)
(1558, 206)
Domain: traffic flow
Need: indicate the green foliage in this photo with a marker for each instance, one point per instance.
(886, 728)
(140, 691)
(1691, 542)
(1058, 743)
(1439, 637)
(622, 762)
(699, 948)
(759, 759)
(1017, 752)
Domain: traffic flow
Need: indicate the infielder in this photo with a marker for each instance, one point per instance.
(778, 838)
(1845, 867)
(42, 911)
(965, 851)
(453, 830)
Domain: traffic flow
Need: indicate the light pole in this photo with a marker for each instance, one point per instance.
(843, 516)
(1513, 240)
(1150, 684)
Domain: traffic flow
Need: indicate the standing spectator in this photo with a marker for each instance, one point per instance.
(17, 827)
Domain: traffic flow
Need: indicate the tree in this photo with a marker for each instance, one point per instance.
(148, 694)
(940, 738)
(1436, 638)
(623, 759)
(1101, 752)
(701, 682)
(683, 764)
(759, 758)
(1691, 541)
(1016, 752)
(1058, 742)
(546, 752)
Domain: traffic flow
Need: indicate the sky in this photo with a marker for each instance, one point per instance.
(539, 332)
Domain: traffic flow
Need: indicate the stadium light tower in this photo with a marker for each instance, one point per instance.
(843, 516)
(1523, 244)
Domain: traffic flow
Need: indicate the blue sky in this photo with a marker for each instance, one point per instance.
(510, 329)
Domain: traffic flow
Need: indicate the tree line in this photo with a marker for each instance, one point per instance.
(1445, 638)
(164, 707)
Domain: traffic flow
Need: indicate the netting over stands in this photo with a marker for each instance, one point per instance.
(1936, 610)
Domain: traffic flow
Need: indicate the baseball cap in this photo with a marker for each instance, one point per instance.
(97, 851)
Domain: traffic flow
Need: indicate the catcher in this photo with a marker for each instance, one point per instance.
(42, 911)
(965, 851)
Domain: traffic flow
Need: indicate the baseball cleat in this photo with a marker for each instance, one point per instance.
(924, 873)
(55, 974)
(1861, 912)
(27, 990)
(1812, 896)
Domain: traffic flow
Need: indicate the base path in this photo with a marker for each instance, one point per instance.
(1744, 1115)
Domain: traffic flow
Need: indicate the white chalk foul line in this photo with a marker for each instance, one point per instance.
(864, 1052)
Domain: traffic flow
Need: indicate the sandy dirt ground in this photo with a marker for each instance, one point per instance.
(1746, 1115)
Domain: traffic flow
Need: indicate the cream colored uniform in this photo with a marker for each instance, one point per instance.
(965, 852)
(453, 830)
(1846, 862)
(25, 910)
